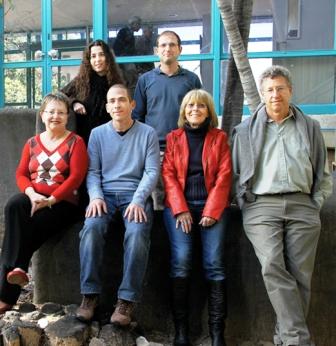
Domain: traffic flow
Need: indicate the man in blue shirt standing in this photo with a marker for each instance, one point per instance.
(123, 171)
(159, 93)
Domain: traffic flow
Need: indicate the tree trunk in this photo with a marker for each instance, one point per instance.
(234, 93)
(239, 52)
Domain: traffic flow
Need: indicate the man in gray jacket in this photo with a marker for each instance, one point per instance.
(281, 181)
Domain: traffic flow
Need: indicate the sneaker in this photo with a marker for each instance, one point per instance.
(122, 313)
(17, 277)
(87, 308)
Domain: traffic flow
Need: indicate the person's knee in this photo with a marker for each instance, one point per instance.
(272, 267)
(180, 268)
(181, 263)
(94, 229)
(214, 267)
(215, 271)
(137, 235)
(17, 201)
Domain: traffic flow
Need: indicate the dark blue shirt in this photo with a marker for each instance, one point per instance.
(158, 98)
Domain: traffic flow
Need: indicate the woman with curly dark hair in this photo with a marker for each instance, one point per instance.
(87, 91)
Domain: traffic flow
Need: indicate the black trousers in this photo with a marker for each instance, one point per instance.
(25, 234)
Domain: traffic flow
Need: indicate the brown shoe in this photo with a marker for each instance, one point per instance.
(122, 313)
(87, 308)
(4, 307)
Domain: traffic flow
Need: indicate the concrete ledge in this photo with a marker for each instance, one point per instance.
(251, 317)
(56, 269)
(16, 126)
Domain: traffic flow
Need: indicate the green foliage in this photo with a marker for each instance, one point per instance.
(15, 86)
(17, 91)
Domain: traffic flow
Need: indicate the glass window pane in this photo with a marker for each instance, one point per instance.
(72, 28)
(62, 75)
(192, 23)
(22, 36)
(23, 87)
(314, 78)
(290, 25)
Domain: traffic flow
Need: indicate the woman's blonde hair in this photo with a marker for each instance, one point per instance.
(198, 96)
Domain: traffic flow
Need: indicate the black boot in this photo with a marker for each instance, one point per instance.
(180, 288)
(217, 306)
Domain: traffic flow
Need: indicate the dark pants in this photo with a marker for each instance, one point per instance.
(25, 234)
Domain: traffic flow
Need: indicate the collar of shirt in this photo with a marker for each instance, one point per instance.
(180, 70)
(290, 114)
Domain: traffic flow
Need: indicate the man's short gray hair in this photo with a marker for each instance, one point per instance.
(275, 71)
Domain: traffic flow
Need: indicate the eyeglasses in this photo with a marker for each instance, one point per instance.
(55, 112)
(278, 90)
(197, 105)
(170, 45)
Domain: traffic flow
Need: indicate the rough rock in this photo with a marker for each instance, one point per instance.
(51, 327)
(32, 316)
(142, 341)
(27, 307)
(11, 316)
(11, 336)
(52, 309)
(97, 342)
(30, 334)
(67, 331)
(114, 336)
(70, 309)
(95, 329)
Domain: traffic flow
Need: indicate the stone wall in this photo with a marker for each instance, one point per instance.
(251, 319)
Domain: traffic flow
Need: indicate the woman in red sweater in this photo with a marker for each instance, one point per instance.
(52, 166)
(197, 177)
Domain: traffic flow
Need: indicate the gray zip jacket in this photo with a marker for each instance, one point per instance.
(248, 139)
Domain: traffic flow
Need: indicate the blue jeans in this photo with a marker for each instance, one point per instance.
(181, 244)
(136, 248)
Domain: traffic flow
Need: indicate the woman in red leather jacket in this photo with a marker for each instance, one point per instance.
(197, 177)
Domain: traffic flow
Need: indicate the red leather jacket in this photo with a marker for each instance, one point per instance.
(216, 161)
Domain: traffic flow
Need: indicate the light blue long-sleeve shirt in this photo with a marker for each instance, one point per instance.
(128, 163)
(284, 164)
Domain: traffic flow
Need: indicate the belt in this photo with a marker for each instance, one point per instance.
(281, 193)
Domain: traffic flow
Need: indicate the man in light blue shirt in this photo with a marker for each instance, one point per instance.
(281, 181)
(123, 170)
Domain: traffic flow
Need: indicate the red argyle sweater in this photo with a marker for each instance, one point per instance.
(59, 172)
